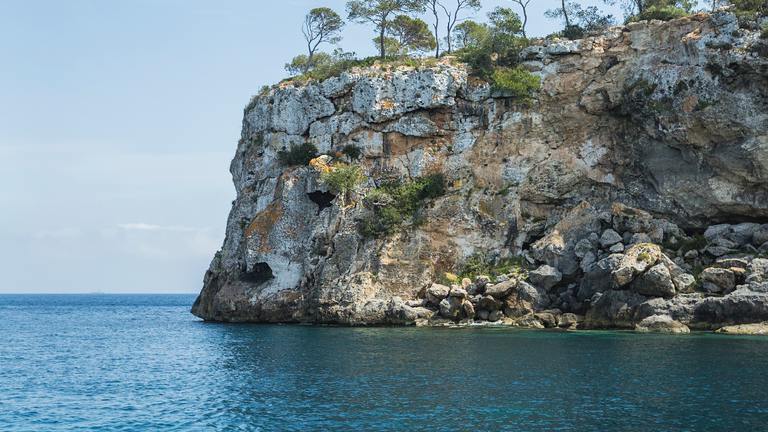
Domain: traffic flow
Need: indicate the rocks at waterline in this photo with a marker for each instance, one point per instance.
(649, 287)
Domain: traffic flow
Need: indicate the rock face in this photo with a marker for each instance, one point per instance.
(638, 140)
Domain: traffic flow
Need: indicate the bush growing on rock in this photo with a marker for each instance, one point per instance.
(342, 178)
(517, 82)
(297, 155)
(481, 265)
(660, 12)
(394, 203)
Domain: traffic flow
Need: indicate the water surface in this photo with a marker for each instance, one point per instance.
(132, 362)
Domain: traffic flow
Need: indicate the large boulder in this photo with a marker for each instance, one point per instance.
(718, 280)
(655, 282)
(661, 324)
(613, 309)
(739, 307)
(745, 329)
(545, 277)
(436, 293)
(558, 247)
(636, 260)
(609, 238)
(502, 289)
(598, 277)
(525, 299)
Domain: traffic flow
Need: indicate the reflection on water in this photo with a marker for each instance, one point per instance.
(142, 362)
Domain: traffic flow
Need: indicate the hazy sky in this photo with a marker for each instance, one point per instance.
(118, 120)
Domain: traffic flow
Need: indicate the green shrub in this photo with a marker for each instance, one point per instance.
(480, 265)
(395, 203)
(750, 9)
(342, 178)
(353, 152)
(345, 63)
(573, 32)
(297, 155)
(660, 12)
(516, 82)
(764, 31)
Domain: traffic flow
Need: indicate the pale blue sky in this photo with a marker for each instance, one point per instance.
(118, 120)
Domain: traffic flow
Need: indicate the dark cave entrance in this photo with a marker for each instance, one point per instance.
(260, 273)
(322, 199)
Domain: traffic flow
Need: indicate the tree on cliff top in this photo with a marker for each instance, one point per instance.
(380, 13)
(406, 34)
(579, 21)
(321, 25)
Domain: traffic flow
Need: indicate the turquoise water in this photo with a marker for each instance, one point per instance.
(106, 362)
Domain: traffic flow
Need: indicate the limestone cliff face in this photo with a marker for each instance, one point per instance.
(670, 118)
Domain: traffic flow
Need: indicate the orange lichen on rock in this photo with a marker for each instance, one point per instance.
(263, 224)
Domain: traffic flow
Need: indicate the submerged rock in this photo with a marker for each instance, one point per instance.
(661, 324)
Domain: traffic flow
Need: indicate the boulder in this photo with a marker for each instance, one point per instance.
(661, 324)
(598, 277)
(502, 289)
(714, 232)
(613, 309)
(718, 280)
(760, 235)
(416, 302)
(399, 312)
(451, 308)
(625, 218)
(458, 292)
(467, 309)
(739, 307)
(525, 299)
(495, 315)
(655, 282)
(545, 277)
(609, 238)
(489, 303)
(569, 320)
(529, 321)
(742, 233)
(557, 248)
(583, 247)
(757, 270)
(684, 282)
(617, 248)
(482, 314)
(587, 261)
(637, 259)
(437, 292)
(549, 320)
(760, 329)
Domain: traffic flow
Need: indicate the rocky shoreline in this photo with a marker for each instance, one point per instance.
(630, 193)
(627, 278)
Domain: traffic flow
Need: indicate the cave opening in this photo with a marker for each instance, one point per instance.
(260, 273)
(322, 199)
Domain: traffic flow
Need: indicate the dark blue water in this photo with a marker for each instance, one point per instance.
(139, 363)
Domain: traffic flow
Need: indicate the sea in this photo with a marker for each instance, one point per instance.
(144, 363)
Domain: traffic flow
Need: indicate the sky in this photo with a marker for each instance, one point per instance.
(118, 120)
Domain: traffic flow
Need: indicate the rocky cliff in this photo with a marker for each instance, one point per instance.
(630, 192)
